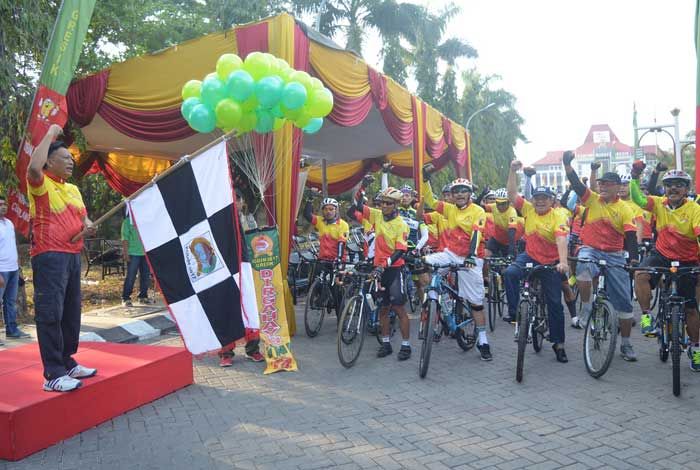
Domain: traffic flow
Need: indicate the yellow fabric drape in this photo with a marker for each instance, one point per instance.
(403, 158)
(399, 100)
(281, 44)
(154, 81)
(457, 136)
(335, 173)
(418, 144)
(341, 71)
(137, 168)
(433, 124)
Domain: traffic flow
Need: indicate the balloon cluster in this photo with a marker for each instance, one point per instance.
(259, 93)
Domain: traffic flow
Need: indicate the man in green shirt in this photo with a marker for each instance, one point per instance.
(135, 260)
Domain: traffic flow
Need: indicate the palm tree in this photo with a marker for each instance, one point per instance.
(449, 51)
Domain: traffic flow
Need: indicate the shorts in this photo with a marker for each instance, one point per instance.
(392, 292)
(686, 284)
(470, 281)
(497, 248)
(617, 280)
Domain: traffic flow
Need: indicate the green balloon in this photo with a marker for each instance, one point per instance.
(226, 64)
(303, 120)
(202, 119)
(213, 91)
(265, 121)
(239, 85)
(247, 123)
(268, 91)
(294, 95)
(316, 84)
(250, 105)
(313, 126)
(277, 111)
(228, 113)
(303, 78)
(291, 114)
(187, 106)
(257, 64)
(320, 102)
(279, 123)
(191, 89)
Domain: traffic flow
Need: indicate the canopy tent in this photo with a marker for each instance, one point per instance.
(130, 116)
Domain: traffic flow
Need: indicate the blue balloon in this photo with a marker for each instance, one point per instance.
(213, 91)
(313, 126)
(240, 85)
(188, 105)
(202, 118)
(294, 95)
(265, 121)
(268, 90)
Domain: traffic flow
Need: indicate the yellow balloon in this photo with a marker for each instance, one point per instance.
(226, 64)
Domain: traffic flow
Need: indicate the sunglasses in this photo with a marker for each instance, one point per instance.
(387, 203)
(675, 184)
(461, 191)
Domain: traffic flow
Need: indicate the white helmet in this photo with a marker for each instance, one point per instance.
(329, 201)
(461, 183)
(626, 178)
(501, 195)
(677, 175)
(391, 194)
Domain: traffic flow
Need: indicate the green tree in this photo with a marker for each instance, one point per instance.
(449, 51)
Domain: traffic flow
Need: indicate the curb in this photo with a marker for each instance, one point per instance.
(133, 331)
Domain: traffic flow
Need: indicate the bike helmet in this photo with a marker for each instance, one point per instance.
(676, 175)
(406, 189)
(446, 188)
(462, 183)
(501, 195)
(391, 194)
(626, 178)
(329, 201)
(378, 196)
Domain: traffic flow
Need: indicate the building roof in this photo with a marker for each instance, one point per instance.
(552, 158)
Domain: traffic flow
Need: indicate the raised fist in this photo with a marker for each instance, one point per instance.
(567, 158)
(367, 180)
(387, 167)
(428, 170)
(661, 166)
(515, 165)
(637, 168)
(595, 165)
(529, 171)
(54, 131)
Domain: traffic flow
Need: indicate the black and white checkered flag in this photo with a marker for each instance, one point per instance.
(188, 225)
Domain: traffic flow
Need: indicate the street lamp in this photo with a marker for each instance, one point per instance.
(490, 105)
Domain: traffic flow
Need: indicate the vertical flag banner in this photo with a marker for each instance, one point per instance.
(49, 105)
(263, 247)
(189, 228)
(697, 96)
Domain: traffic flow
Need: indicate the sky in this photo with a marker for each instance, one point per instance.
(572, 64)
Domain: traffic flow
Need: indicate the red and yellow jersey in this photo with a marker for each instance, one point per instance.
(389, 236)
(642, 217)
(502, 221)
(677, 229)
(519, 228)
(436, 231)
(460, 226)
(606, 223)
(329, 235)
(578, 219)
(541, 231)
(488, 226)
(57, 212)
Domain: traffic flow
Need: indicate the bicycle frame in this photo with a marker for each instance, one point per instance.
(439, 287)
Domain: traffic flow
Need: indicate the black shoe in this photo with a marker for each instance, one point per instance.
(561, 354)
(436, 338)
(384, 350)
(508, 319)
(404, 353)
(485, 351)
(17, 334)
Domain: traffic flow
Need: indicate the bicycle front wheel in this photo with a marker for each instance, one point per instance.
(493, 301)
(351, 331)
(315, 309)
(429, 320)
(599, 339)
(524, 309)
(466, 335)
(539, 328)
(676, 348)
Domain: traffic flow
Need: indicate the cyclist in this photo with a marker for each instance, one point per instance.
(332, 230)
(545, 232)
(505, 225)
(391, 244)
(609, 229)
(464, 229)
(642, 218)
(678, 229)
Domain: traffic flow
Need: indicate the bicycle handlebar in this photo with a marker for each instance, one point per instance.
(679, 270)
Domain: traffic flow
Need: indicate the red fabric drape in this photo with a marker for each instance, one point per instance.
(369, 165)
(95, 163)
(301, 62)
(252, 38)
(350, 112)
(155, 126)
(85, 96)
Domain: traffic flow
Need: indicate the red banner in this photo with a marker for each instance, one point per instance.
(48, 108)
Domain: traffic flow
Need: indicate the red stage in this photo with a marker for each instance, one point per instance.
(128, 376)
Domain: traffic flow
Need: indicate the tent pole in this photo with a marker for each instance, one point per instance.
(324, 177)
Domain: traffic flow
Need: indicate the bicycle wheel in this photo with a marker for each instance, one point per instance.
(426, 346)
(539, 328)
(466, 336)
(351, 331)
(314, 310)
(676, 348)
(493, 300)
(410, 289)
(654, 297)
(599, 339)
(664, 336)
(523, 329)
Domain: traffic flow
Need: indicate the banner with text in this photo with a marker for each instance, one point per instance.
(263, 247)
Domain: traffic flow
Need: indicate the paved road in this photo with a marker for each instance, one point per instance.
(465, 414)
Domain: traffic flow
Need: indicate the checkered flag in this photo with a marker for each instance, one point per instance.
(189, 228)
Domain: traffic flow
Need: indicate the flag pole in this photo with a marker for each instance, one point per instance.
(158, 177)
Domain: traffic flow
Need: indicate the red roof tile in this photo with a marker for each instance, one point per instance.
(552, 158)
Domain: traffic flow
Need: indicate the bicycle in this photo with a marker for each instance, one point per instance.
(670, 321)
(323, 296)
(444, 312)
(601, 328)
(356, 316)
(531, 324)
(495, 297)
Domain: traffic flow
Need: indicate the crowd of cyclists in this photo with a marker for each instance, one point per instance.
(612, 220)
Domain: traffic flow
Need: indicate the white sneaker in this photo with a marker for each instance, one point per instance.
(576, 323)
(80, 372)
(62, 384)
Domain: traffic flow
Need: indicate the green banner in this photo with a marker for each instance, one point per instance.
(65, 44)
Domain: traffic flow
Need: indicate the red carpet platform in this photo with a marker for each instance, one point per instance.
(128, 376)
